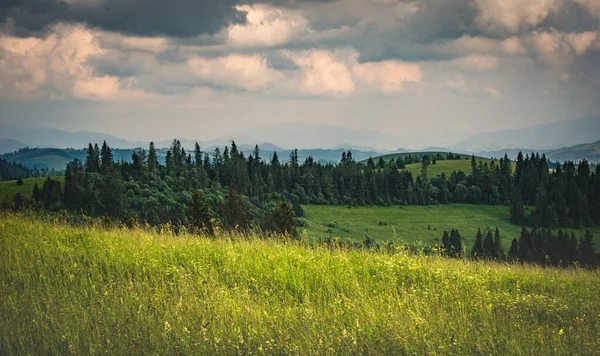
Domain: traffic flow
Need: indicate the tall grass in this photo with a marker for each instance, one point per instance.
(66, 290)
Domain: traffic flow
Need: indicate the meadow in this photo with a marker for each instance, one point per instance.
(95, 290)
(8, 189)
(411, 224)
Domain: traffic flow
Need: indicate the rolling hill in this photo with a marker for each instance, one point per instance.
(589, 151)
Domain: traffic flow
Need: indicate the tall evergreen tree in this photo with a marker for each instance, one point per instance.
(198, 214)
(106, 160)
(477, 250)
(152, 158)
(283, 219)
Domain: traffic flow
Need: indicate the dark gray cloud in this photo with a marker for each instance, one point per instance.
(179, 18)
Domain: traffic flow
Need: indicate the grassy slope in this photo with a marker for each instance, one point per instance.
(410, 223)
(8, 189)
(395, 156)
(91, 291)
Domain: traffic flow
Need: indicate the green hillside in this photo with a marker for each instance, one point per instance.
(8, 189)
(395, 156)
(89, 291)
(413, 223)
(589, 151)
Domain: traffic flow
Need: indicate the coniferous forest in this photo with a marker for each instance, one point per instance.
(229, 190)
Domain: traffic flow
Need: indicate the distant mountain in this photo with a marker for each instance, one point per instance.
(349, 146)
(10, 145)
(52, 138)
(304, 136)
(553, 135)
(588, 151)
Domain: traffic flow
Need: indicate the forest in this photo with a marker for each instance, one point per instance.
(228, 190)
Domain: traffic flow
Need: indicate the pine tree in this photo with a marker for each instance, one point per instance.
(197, 155)
(513, 253)
(199, 215)
(499, 252)
(446, 242)
(36, 193)
(152, 159)
(283, 219)
(587, 252)
(489, 247)
(236, 211)
(106, 160)
(92, 160)
(477, 250)
(455, 241)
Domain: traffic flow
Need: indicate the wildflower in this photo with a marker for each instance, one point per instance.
(561, 332)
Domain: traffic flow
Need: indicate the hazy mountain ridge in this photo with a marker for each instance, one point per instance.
(550, 136)
(10, 145)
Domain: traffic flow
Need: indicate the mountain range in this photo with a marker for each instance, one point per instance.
(329, 141)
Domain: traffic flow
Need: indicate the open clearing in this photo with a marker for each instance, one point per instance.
(413, 223)
(9, 188)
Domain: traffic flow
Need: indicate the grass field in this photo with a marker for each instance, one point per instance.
(413, 223)
(93, 291)
(8, 189)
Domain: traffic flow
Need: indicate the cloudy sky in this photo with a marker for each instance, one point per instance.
(434, 71)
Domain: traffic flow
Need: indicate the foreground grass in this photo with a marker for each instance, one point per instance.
(90, 291)
(9, 188)
(414, 223)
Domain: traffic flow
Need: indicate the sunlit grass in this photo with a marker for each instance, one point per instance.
(80, 291)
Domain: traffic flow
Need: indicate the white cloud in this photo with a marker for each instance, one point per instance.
(494, 93)
(487, 46)
(322, 73)
(387, 76)
(558, 49)
(266, 27)
(476, 63)
(513, 16)
(56, 66)
(248, 72)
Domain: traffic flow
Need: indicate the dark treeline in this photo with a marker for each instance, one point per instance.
(540, 246)
(237, 191)
(14, 170)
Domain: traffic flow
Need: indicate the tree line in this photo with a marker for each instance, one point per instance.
(541, 246)
(147, 191)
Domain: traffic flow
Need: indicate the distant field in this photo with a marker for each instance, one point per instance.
(8, 189)
(395, 156)
(94, 291)
(412, 223)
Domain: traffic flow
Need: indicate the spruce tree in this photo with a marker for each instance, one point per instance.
(36, 193)
(499, 252)
(283, 219)
(106, 160)
(152, 159)
(489, 247)
(513, 253)
(92, 161)
(477, 250)
(197, 155)
(198, 214)
(446, 242)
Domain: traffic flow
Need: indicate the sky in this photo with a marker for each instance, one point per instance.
(435, 71)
